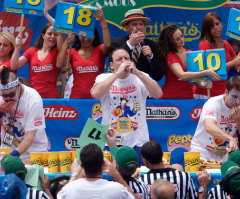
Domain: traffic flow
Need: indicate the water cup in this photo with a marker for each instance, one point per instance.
(6, 150)
(166, 158)
(52, 162)
(65, 161)
(192, 161)
(44, 159)
(35, 158)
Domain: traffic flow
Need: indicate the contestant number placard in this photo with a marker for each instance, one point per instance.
(203, 60)
(233, 29)
(32, 7)
(76, 18)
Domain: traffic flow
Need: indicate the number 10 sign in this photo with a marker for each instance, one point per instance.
(77, 18)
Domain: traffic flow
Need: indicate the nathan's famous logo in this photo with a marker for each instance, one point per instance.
(195, 114)
(60, 112)
(36, 161)
(162, 112)
(189, 30)
(65, 161)
(71, 143)
(96, 111)
(179, 141)
(192, 162)
(10, 23)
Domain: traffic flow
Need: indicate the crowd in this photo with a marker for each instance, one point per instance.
(137, 64)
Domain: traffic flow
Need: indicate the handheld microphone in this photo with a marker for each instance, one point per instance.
(147, 56)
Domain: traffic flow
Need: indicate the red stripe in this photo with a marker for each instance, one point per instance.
(130, 16)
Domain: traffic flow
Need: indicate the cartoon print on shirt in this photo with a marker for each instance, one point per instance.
(123, 112)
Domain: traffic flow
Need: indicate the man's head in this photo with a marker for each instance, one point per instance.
(126, 159)
(231, 178)
(233, 92)
(91, 158)
(151, 153)
(13, 164)
(9, 85)
(135, 19)
(162, 189)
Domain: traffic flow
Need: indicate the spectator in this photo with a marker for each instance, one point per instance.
(13, 164)
(123, 96)
(211, 39)
(127, 161)
(162, 189)
(230, 184)
(171, 55)
(11, 187)
(203, 180)
(152, 157)
(236, 47)
(23, 123)
(141, 50)
(43, 72)
(92, 185)
(219, 121)
(57, 183)
(7, 46)
(87, 58)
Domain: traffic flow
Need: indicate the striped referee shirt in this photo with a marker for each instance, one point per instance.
(139, 188)
(36, 194)
(218, 193)
(183, 183)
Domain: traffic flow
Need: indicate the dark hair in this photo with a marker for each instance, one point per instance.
(207, 24)
(91, 158)
(165, 44)
(152, 152)
(57, 183)
(116, 49)
(233, 82)
(7, 75)
(39, 42)
(127, 172)
(96, 41)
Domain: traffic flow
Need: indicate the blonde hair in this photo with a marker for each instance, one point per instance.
(9, 36)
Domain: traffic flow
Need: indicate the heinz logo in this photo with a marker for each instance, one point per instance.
(162, 113)
(71, 144)
(60, 112)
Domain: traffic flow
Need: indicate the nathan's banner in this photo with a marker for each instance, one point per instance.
(30, 7)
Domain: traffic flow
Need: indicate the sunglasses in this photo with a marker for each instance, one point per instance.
(9, 95)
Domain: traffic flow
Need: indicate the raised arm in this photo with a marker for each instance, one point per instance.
(62, 58)
(17, 61)
(105, 31)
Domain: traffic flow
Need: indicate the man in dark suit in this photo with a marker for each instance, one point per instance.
(134, 23)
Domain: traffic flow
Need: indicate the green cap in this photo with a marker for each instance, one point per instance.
(233, 182)
(235, 157)
(126, 157)
(13, 164)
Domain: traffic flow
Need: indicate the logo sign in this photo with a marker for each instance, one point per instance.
(195, 114)
(162, 112)
(233, 29)
(77, 18)
(179, 141)
(198, 61)
(60, 112)
(30, 7)
(70, 143)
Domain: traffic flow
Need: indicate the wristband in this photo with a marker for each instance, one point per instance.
(74, 175)
(15, 153)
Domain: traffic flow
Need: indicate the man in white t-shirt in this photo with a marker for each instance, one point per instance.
(22, 117)
(123, 96)
(219, 121)
(91, 185)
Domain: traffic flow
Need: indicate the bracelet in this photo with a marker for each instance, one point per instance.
(15, 153)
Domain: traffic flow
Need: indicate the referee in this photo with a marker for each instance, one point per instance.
(152, 157)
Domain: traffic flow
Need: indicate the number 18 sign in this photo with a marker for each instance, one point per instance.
(77, 18)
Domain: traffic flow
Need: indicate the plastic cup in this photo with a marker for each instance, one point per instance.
(166, 158)
(107, 155)
(192, 161)
(52, 162)
(65, 161)
(44, 159)
(35, 158)
(6, 150)
(74, 155)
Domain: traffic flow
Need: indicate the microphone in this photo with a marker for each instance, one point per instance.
(147, 56)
